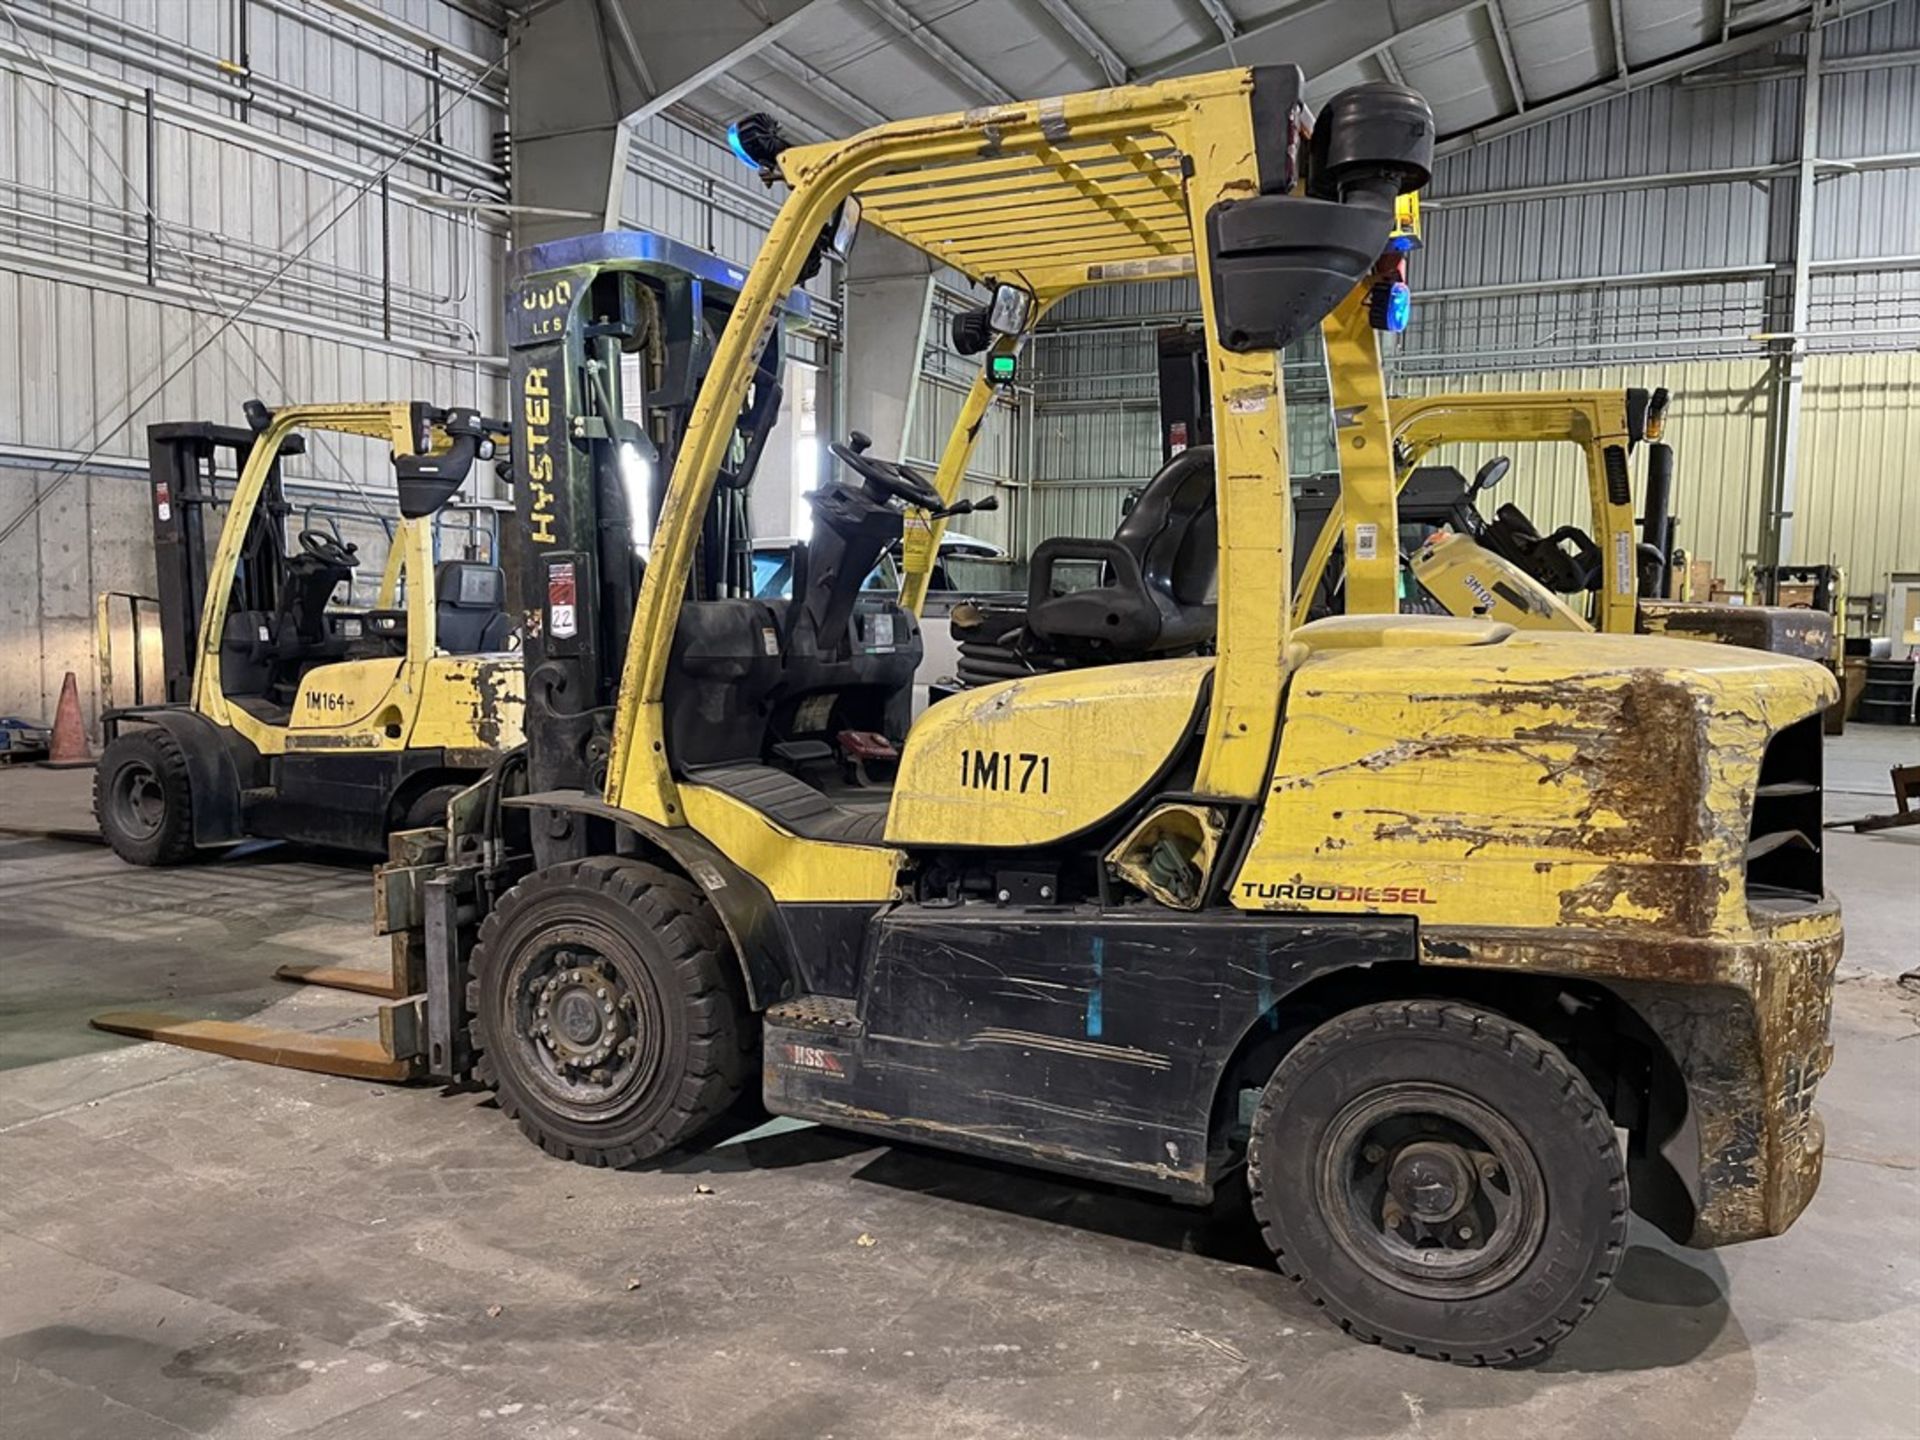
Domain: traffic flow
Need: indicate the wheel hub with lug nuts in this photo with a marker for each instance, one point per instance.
(1432, 1181)
(583, 1015)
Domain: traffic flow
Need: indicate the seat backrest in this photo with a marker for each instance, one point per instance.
(469, 602)
(1171, 528)
(247, 647)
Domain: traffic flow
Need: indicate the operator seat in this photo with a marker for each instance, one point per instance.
(1154, 599)
(469, 608)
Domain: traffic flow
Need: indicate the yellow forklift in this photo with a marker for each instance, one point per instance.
(1451, 560)
(1401, 915)
(287, 715)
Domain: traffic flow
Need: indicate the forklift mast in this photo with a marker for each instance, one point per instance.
(610, 336)
(183, 474)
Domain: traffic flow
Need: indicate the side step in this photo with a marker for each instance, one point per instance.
(826, 1013)
(396, 1055)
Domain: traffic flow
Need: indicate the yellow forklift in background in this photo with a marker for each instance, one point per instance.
(1401, 915)
(289, 716)
(1452, 560)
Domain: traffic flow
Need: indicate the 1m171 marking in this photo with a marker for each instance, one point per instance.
(1006, 772)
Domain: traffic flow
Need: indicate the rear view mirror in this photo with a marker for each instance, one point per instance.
(1491, 473)
(845, 226)
(1008, 313)
(1011, 310)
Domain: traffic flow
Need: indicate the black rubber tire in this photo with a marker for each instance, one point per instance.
(1508, 1069)
(429, 808)
(158, 754)
(710, 1039)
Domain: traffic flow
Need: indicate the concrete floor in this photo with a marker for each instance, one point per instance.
(191, 1246)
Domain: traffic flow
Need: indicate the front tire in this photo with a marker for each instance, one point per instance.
(1441, 1179)
(608, 1011)
(143, 799)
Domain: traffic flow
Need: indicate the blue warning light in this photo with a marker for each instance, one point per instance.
(1399, 306)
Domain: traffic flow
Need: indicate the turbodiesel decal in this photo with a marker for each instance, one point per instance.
(1006, 771)
(536, 413)
(1350, 894)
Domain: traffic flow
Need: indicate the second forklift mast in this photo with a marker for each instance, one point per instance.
(186, 461)
(610, 336)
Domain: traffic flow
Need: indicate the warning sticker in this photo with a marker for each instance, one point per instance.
(563, 620)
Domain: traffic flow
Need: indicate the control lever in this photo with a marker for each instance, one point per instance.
(967, 507)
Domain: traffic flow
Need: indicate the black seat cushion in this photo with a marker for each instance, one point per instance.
(796, 806)
(469, 602)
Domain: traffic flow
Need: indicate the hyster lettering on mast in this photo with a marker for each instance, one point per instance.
(1409, 958)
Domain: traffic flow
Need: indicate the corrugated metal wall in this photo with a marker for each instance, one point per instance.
(1659, 224)
(108, 324)
(1644, 240)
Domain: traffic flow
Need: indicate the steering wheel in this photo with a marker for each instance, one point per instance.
(328, 550)
(891, 477)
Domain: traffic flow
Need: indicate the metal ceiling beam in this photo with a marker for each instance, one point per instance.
(1673, 179)
(629, 46)
(1669, 69)
(1844, 64)
(1088, 39)
(1503, 41)
(1223, 20)
(1389, 66)
(679, 90)
(971, 76)
(745, 100)
(585, 70)
(1620, 67)
(1303, 37)
(841, 98)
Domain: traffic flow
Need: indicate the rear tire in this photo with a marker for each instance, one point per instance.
(1442, 1180)
(608, 1011)
(143, 799)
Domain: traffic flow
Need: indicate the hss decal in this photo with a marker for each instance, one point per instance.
(816, 1059)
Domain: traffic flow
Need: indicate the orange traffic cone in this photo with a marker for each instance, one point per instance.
(69, 750)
